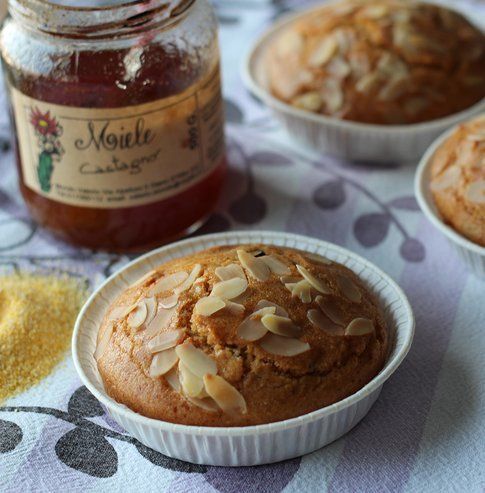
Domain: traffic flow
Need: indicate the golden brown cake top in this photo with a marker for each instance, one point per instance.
(221, 337)
(379, 61)
(458, 179)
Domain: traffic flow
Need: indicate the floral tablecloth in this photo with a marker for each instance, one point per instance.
(426, 431)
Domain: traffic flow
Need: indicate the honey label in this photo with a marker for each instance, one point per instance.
(120, 157)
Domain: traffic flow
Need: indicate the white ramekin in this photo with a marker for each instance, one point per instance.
(471, 253)
(251, 445)
(345, 139)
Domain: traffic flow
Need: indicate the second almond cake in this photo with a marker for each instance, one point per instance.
(379, 61)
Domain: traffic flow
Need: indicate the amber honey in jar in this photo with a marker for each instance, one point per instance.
(117, 115)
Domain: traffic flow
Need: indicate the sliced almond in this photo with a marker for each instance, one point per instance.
(252, 329)
(333, 95)
(359, 327)
(138, 316)
(241, 299)
(264, 310)
(119, 312)
(402, 17)
(289, 44)
(167, 283)
(302, 289)
(376, 11)
(284, 86)
(311, 101)
(332, 311)
(349, 289)
(448, 178)
(159, 322)
(257, 253)
(394, 89)
(207, 403)
(230, 272)
(203, 394)
(103, 341)
(342, 8)
(323, 52)
(317, 283)
(275, 265)
(195, 359)
(172, 378)
(318, 258)
(192, 385)
(339, 68)
(187, 284)
(169, 301)
(476, 192)
(465, 158)
(360, 64)
(423, 42)
(165, 340)
(229, 289)
(283, 346)
(279, 310)
(151, 304)
(392, 66)
(290, 279)
(368, 82)
(144, 278)
(282, 326)
(320, 320)
(227, 397)
(234, 308)
(209, 305)
(476, 137)
(345, 38)
(163, 362)
(254, 265)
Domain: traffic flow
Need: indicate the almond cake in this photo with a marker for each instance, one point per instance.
(241, 335)
(379, 61)
(458, 180)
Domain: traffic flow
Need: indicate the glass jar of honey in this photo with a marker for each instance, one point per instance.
(118, 117)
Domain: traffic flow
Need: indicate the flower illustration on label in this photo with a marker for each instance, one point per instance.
(48, 131)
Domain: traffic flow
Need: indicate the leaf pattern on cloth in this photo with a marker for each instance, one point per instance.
(407, 203)
(371, 229)
(330, 195)
(270, 158)
(412, 250)
(84, 403)
(233, 112)
(7, 204)
(87, 452)
(15, 232)
(85, 448)
(10, 436)
(249, 208)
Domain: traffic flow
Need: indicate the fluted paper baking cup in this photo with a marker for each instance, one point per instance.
(472, 254)
(343, 138)
(249, 445)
